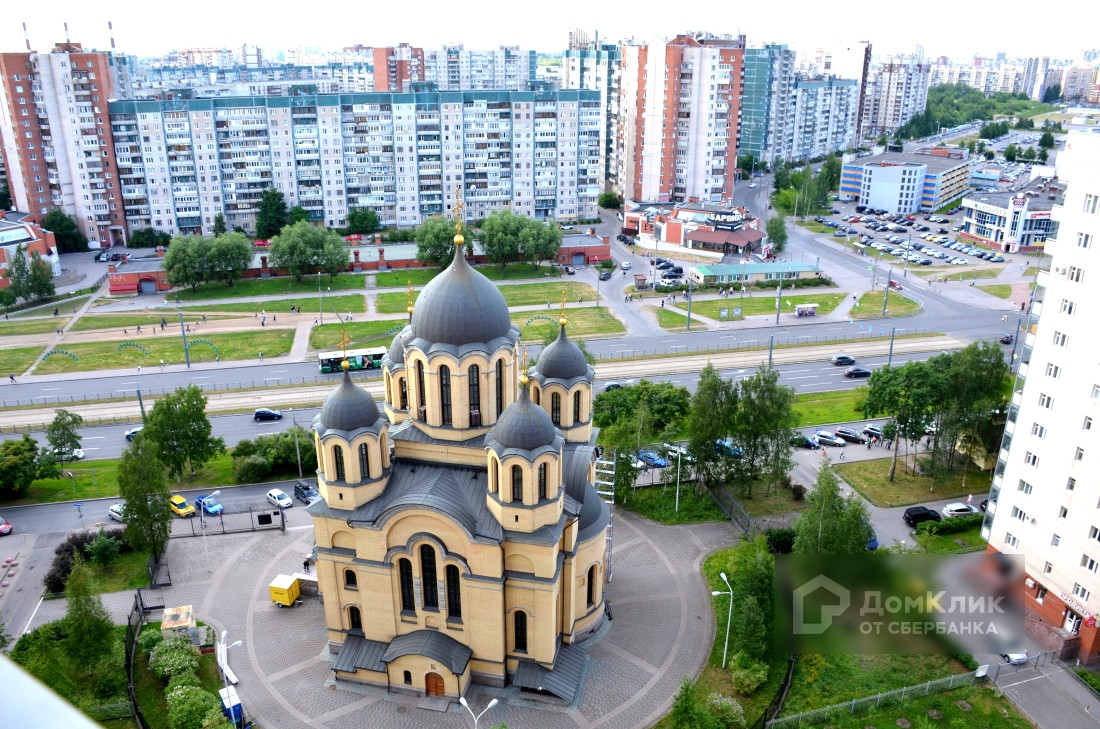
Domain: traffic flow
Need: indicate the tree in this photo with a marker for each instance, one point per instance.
(1046, 141)
(185, 261)
(685, 713)
(830, 170)
(362, 221)
(88, 627)
(1052, 94)
(1028, 155)
(333, 259)
(712, 406)
(227, 257)
(7, 298)
(753, 578)
(831, 523)
(776, 228)
(18, 466)
(435, 240)
(5, 639)
(1024, 123)
(538, 243)
(781, 180)
(500, 236)
(178, 426)
(297, 214)
(219, 225)
(762, 426)
(908, 395)
(62, 434)
(103, 550)
(1011, 152)
(65, 230)
(19, 273)
(272, 216)
(149, 238)
(666, 404)
(40, 284)
(882, 140)
(299, 248)
(142, 486)
(608, 200)
(989, 154)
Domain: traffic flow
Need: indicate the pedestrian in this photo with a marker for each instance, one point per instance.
(11, 377)
(217, 358)
(822, 451)
(58, 331)
(842, 455)
(163, 322)
(162, 363)
(273, 319)
(547, 304)
(139, 369)
(126, 332)
(263, 313)
(305, 565)
(662, 303)
(204, 318)
(314, 321)
(139, 329)
(869, 443)
(255, 315)
(261, 356)
(55, 312)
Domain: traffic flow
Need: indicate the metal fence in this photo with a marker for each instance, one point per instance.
(762, 343)
(110, 712)
(134, 622)
(731, 507)
(871, 703)
(251, 520)
(776, 704)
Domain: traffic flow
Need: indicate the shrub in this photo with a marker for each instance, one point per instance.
(188, 706)
(747, 675)
(966, 660)
(183, 679)
(149, 639)
(104, 550)
(798, 491)
(245, 448)
(173, 656)
(780, 540)
(76, 542)
(726, 711)
(251, 469)
(950, 526)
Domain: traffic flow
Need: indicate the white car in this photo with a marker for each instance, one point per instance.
(76, 455)
(567, 227)
(1016, 659)
(626, 265)
(277, 498)
(959, 262)
(117, 512)
(752, 185)
(959, 509)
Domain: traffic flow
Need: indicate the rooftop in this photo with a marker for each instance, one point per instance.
(1038, 201)
(935, 164)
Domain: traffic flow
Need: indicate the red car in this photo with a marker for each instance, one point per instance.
(5, 526)
(895, 285)
(354, 238)
(261, 243)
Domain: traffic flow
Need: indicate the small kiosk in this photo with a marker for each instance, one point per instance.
(805, 309)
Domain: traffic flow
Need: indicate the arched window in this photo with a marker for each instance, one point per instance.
(555, 407)
(404, 393)
(536, 395)
(445, 393)
(517, 484)
(576, 407)
(350, 580)
(494, 475)
(421, 400)
(521, 631)
(408, 678)
(405, 571)
(389, 388)
(474, 376)
(427, 576)
(454, 594)
(364, 462)
(500, 387)
(355, 618)
(591, 585)
(338, 461)
(542, 481)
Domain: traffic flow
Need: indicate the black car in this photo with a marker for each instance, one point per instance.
(850, 434)
(871, 430)
(843, 359)
(1006, 339)
(798, 440)
(834, 211)
(857, 372)
(665, 265)
(918, 514)
(670, 276)
(305, 492)
(943, 231)
(267, 414)
(605, 275)
(677, 269)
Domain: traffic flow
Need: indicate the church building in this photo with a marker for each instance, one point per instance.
(459, 535)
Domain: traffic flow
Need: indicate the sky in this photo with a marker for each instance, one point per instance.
(954, 29)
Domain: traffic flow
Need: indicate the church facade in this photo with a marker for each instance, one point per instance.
(459, 536)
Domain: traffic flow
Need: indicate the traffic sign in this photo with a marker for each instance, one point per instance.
(78, 504)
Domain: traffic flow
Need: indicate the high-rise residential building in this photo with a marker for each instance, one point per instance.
(850, 60)
(454, 68)
(897, 90)
(56, 133)
(1044, 495)
(397, 68)
(1077, 81)
(216, 57)
(402, 155)
(767, 103)
(679, 118)
(824, 118)
(598, 68)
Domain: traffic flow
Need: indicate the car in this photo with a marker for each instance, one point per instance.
(208, 505)
(957, 228)
(726, 448)
(834, 211)
(133, 431)
(670, 276)
(261, 243)
(798, 440)
(305, 492)
(353, 238)
(612, 386)
(924, 262)
(872, 543)
(1006, 339)
(894, 284)
(626, 265)
(73, 455)
(941, 231)
(103, 257)
(843, 359)
(267, 414)
(605, 275)
(959, 262)
(179, 506)
(857, 372)
(997, 259)
(570, 270)
(872, 430)
(839, 234)
(277, 497)
(825, 438)
(959, 509)
(915, 515)
(652, 458)
(567, 227)
(664, 265)
(752, 185)
(677, 452)
(850, 434)
(117, 512)
(1015, 659)
(5, 527)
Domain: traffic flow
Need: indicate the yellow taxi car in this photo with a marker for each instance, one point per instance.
(180, 506)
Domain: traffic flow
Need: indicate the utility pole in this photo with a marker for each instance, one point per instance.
(183, 333)
(779, 298)
(886, 297)
(771, 344)
(890, 357)
(320, 309)
(689, 305)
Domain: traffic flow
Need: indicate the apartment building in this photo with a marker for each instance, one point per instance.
(897, 90)
(454, 68)
(679, 120)
(824, 117)
(1044, 503)
(165, 82)
(56, 134)
(397, 68)
(403, 155)
(907, 183)
(767, 103)
(597, 67)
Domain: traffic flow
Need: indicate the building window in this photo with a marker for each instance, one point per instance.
(555, 408)
(1048, 568)
(1038, 431)
(338, 461)
(364, 462)
(1077, 275)
(474, 385)
(1068, 307)
(1088, 563)
(1063, 513)
(355, 618)
(1084, 240)
(408, 678)
(1080, 591)
(1060, 339)
(1012, 541)
(1018, 515)
(500, 387)
(1031, 459)
(1095, 391)
(542, 481)
(576, 407)
(404, 393)
(521, 631)
(1041, 593)
(1087, 424)
(405, 571)
(427, 576)
(591, 585)
(517, 484)
(454, 594)
(1071, 482)
(421, 400)
(1055, 540)
(1053, 370)
(1024, 486)
(1079, 454)
(350, 580)
(1045, 400)
(445, 393)
(1091, 203)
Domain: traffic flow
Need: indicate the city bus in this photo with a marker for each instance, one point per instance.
(358, 359)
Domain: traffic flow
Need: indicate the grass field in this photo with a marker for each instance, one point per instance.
(31, 326)
(667, 319)
(270, 287)
(968, 541)
(818, 408)
(519, 272)
(272, 341)
(870, 306)
(869, 478)
(973, 706)
(361, 333)
(127, 572)
(952, 273)
(356, 303)
(1001, 291)
(816, 227)
(18, 360)
(774, 503)
(400, 278)
(586, 322)
(92, 322)
(764, 303)
(64, 306)
(519, 295)
(658, 503)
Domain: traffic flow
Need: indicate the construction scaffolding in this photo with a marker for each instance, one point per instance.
(605, 487)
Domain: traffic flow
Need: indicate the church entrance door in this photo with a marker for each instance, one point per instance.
(433, 685)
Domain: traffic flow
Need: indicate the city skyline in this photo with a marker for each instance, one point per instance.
(966, 30)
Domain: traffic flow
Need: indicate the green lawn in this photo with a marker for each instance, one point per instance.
(355, 303)
(127, 572)
(270, 287)
(870, 306)
(272, 341)
(776, 502)
(586, 322)
(401, 277)
(519, 271)
(18, 360)
(1031, 271)
(968, 541)
(869, 478)
(952, 273)
(668, 319)
(65, 306)
(764, 303)
(658, 503)
(31, 326)
(818, 408)
(519, 295)
(361, 333)
(973, 706)
(92, 322)
(816, 227)
(1001, 291)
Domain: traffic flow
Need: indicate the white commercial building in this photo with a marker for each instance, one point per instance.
(1045, 493)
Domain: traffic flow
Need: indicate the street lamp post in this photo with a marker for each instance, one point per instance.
(475, 717)
(225, 659)
(729, 617)
(202, 519)
(886, 296)
(297, 451)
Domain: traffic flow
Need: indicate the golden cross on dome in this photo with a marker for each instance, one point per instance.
(523, 380)
(409, 297)
(562, 319)
(345, 340)
(458, 217)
